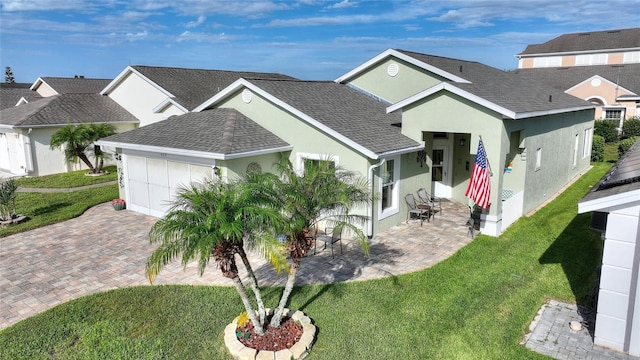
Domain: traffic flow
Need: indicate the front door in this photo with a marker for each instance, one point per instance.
(440, 172)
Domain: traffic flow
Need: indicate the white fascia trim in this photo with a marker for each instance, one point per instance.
(401, 151)
(165, 103)
(240, 83)
(124, 73)
(21, 101)
(455, 90)
(193, 153)
(401, 56)
(628, 98)
(598, 51)
(611, 83)
(608, 202)
(7, 127)
(530, 114)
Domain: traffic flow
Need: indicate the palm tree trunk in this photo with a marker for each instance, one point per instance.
(291, 279)
(86, 161)
(253, 282)
(259, 329)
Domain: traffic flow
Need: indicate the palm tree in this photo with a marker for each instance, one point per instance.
(323, 193)
(77, 138)
(212, 220)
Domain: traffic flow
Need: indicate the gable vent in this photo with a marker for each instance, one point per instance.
(393, 69)
(246, 96)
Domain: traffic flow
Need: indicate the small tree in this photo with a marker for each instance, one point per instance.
(75, 139)
(8, 195)
(597, 149)
(631, 127)
(607, 129)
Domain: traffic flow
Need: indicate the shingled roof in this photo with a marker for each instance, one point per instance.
(585, 41)
(563, 78)
(192, 87)
(518, 94)
(78, 85)
(66, 109)
(350, 113)
(11, 93)
(221, 132)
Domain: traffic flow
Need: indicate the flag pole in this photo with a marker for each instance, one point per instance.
(488, 164)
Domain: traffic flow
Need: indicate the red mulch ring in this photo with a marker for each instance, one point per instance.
(274, 339)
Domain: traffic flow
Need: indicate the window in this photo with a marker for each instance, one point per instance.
(588, 139)
(389, 185)
(612, 113)
(303, 160)
(592, 59)
(550, 61)
(538, 159)
(631, 57)
(576, 145)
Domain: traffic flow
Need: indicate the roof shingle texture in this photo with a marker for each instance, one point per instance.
(349, 112)
(563, 78)
(507, 89)
(596, 40)
(66, 109)
(192, 87)
(219, 131)
(10, 94)
(76, 85)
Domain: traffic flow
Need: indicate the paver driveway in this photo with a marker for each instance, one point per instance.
(105, 249)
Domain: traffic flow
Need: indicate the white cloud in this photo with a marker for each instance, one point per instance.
(201, 37)
(137, 36)
(196, 23)
(44, 5)
(342, 5)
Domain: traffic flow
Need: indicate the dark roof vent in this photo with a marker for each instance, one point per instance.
(550, 99)
(78, 76)
(460, 68)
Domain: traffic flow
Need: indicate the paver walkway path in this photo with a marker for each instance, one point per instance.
(106, 249)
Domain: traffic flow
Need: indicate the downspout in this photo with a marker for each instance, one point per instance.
(370, 175)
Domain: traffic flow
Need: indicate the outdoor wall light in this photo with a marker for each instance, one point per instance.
(463, 141)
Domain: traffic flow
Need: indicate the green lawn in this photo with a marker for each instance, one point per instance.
(49, 208)
(475, 305)
(68, 180)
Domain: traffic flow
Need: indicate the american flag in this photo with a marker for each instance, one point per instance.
(479, 190)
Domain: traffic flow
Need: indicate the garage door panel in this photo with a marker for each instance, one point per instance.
(158, 198)
(199, 173)
(137, 168)
(157, 172)
(139, 193)
(178, 175)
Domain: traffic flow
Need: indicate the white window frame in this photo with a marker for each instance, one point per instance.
(631, 57)
(613, 108)
(538, 159)
(301, 157)
(588, 141)
(395, 200)
(547, 61)
(576, 147)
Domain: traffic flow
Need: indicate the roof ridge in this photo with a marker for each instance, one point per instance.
(228, 133)
(201, 69)
(439, 56)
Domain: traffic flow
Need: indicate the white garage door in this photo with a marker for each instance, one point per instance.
(152, 183)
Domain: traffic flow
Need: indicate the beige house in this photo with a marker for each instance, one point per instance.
(601, 67)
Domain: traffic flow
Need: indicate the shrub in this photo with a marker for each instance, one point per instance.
(8, 196)
(607, 129)
(631, 127)
(597, 149)
(626, 144)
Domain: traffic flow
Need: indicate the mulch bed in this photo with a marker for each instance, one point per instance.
(274, 339)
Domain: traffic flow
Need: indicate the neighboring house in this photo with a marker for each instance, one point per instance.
(601, 67)
(49, 86)
(402, 119)
(154, 93)
(615, 203)
(25, 130)
(13, 94)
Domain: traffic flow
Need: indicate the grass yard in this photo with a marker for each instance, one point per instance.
(49, 208)
(68, 180)
(475, 305)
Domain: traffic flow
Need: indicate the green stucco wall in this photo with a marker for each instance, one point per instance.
(409, 81)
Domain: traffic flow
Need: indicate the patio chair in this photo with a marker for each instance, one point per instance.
(433, 201)
(422, 211)
(336, 236)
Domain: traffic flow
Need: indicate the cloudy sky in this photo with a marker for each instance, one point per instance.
(308, 39)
